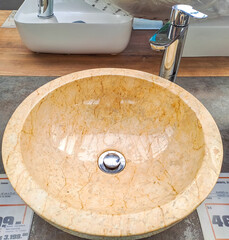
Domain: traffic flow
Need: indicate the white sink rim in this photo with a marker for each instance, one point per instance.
(49, 35)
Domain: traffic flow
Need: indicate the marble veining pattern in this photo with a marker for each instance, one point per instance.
(172, 146)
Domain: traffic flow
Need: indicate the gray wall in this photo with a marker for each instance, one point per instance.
(10, 4)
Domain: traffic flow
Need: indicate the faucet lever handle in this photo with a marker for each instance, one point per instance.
(180, 15)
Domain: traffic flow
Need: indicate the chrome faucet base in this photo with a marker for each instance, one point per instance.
(171, 38)
(45, 9)
(45, 17)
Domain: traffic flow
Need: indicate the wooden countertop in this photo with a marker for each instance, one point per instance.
(17, 60)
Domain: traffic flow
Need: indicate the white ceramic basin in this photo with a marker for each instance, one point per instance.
(101, 33)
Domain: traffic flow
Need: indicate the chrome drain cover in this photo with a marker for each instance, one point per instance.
(111, 162)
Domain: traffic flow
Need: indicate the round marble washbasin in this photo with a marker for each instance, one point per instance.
(170, 142)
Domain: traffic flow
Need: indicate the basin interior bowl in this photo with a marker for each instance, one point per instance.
(160, 132)
(159, 135)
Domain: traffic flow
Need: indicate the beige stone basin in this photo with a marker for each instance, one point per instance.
(170, 142)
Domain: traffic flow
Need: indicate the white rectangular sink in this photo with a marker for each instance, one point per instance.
(99, 33)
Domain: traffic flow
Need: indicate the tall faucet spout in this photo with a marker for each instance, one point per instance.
(171, 38)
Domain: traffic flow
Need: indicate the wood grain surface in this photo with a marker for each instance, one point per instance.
(17, 60)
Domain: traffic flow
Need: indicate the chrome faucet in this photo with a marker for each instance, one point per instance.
(45, 8)
(171, 38)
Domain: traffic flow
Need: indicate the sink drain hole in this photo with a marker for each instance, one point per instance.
(78, 21)
(111, 162)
